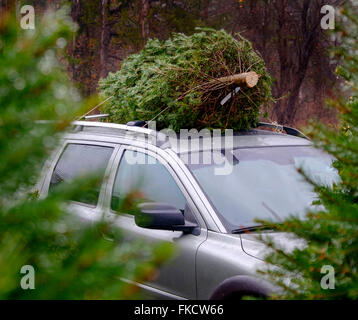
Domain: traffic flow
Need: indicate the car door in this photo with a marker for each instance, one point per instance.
(78, 158)
(151, 176)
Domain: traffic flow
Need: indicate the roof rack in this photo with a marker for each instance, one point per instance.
(159, 137)
(114, 126)
(290, 131)
(142, 124)
(96, 116)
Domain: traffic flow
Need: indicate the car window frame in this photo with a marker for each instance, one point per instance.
(115, 167)
(101, 196)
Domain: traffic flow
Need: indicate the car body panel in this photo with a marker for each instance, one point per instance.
(203, 261)
(183, 264)
(221, 257)
(252, 245)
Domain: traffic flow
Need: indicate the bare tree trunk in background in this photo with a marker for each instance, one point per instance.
(76, 9)
(284, 55)
(205, 9)
(75, 14)
(294, 54)
(310, 34)
(104, 39)
(265, 31)
(144, 19)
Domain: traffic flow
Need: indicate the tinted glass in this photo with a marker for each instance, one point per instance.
(146, 176)
(79, 160)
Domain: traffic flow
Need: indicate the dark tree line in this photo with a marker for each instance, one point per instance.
(287, 33)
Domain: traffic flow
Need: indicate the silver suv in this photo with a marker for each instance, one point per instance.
(209, 216)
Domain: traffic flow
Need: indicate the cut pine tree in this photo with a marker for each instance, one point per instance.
(182, 83)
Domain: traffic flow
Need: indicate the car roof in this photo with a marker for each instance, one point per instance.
(193, 140)
(249, 139)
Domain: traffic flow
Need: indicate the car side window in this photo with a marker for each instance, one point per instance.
(143, 174)
(79, 160)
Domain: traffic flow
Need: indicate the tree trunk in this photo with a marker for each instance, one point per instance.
(205, 9)
(293, 68)
(104, 39)
(249, 79)
(144, 19)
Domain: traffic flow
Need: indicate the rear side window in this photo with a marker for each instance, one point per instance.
(79, 160)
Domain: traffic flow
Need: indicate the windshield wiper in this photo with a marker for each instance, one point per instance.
(250, 229)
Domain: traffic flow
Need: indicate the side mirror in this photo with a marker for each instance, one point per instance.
(162, 216)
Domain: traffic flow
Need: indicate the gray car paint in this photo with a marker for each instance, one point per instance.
(204, 261)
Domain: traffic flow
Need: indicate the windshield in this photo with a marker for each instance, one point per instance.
(264, 183)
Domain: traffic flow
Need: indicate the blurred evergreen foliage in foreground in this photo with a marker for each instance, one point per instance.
(71, 260)
(331, 235)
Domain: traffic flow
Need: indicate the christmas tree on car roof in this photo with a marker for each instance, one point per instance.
(207, 80)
